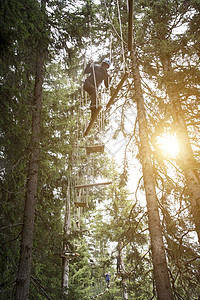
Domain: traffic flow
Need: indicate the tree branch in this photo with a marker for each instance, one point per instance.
(41, 287)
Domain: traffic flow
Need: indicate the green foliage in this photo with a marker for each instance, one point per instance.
(112, 217)
(80, 276)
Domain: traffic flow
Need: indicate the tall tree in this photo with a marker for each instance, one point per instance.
(17, 71)
(121, 266)
(160, 21)
(187, 161)
(161, 275)
(25, 261)
(157, 246)
(168, 50)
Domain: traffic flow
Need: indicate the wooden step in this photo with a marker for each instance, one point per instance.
(80, 204)
(95, 149)
(92, 184)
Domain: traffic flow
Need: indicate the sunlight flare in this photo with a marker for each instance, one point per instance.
(168, 144)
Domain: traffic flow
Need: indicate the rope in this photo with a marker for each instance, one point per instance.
(120, 36)
(111, 38)
(77, 147)
(91, 54)
(104, 292)
(122, 41)
(111, 21)
(85, 94)
(81, 115)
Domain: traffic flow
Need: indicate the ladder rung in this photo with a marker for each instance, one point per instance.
(92, 184)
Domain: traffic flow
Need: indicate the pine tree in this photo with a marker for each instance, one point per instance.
(25, 261)
(187, 160)
(169, 52)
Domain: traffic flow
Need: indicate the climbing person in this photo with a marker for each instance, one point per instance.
(118, 263)
(108, 276)
(98, 74)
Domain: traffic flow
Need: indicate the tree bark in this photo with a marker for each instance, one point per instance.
(24, 268)
(67, 231)
(125, 289)
(122, 271)
(161, 276)
(187, 160)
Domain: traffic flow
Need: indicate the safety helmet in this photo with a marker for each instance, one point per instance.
(106, 61)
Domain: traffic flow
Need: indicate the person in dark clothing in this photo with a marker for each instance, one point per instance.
(118, 264)
(98, 74)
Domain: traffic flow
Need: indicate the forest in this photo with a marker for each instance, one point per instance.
(101, 204)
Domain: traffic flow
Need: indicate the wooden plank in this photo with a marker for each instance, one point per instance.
(130, 25)
(92, 184)
(95, 149)
(93, 119)
(114, 95)
(80, 204)
(69, 254)
(91, 149)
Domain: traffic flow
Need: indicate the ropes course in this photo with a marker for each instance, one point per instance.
(81, 187)
(99, 105)
(105, 291)
(81, 181)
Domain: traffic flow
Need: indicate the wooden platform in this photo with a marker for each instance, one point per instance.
(95, 149)
(92, 185)
(69, 254)
(80, 204)
(93, 119)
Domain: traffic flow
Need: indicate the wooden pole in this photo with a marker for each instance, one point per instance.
(114, 95)
(92, 184)
(93, 119)
(130, 25)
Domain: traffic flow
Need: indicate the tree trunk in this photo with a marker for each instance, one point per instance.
(121, 269)
(125, 289)
(67, 231)
(187, 160)
(24, 269)
(157, 246)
